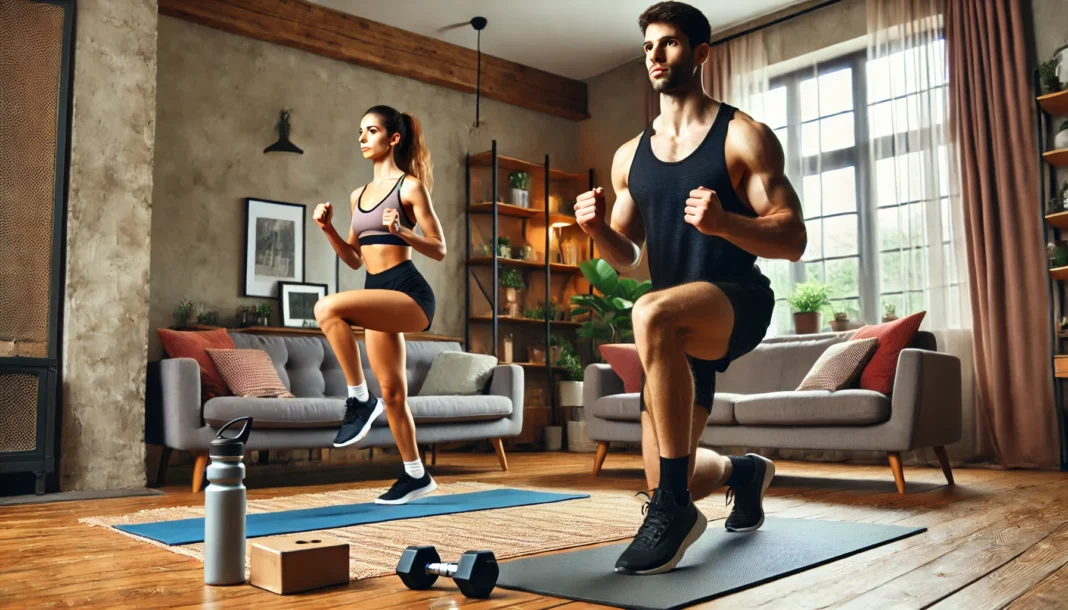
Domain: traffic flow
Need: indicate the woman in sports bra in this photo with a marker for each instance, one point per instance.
(396, 298)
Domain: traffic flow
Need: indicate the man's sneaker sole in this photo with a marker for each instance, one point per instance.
(411, 495)
(379, 408)
(696, 532)
(769, 474)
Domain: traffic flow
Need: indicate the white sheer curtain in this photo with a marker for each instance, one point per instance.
(865, 137)
(919, 218)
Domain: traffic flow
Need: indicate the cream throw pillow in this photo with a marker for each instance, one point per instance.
(458, 373)
(840, 365)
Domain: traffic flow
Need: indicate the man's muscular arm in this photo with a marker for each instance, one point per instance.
(619, 240)
(778, 231)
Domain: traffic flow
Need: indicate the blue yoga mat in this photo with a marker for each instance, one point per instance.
(187, 531)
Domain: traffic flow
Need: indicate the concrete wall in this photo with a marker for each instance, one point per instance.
(219, 98)
(108, 242)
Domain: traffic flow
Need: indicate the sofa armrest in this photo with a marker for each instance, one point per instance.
(508, 381)
(926, 403)
(599, 380)
(182, 410)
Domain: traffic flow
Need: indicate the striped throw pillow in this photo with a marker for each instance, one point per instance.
(839, 366)
(249, 373)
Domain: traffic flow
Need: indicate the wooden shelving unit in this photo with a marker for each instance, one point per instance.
(1054, 104)
(539, 228)
(1057, 158)
(1049, 106)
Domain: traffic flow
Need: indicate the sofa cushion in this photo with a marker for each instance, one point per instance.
(192, 344)
(328, 412)
(458, 373)
(812, 408)
(249, 373)
(893, 337)
(625, 362)
(839, 366)
(777, 364)
(625, 407)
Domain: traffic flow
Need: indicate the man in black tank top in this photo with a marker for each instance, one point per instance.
(704, 189)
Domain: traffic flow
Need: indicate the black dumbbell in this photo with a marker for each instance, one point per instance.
(476, 572)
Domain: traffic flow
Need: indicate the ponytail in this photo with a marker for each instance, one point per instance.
(411, 155)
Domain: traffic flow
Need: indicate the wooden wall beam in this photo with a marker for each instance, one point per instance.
(345, 37)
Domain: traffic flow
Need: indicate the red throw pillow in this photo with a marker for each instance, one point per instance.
(624, 360)
(193, 344)
(893, 337)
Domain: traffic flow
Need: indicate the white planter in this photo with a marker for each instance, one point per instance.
(1061, 140)
(509, 294)
(521, 198)
(508, 351)
(577, 439)
(570, 393)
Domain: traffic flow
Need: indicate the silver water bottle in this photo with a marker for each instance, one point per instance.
(224, 508)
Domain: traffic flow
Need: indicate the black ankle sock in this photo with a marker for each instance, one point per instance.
(742, 470)
(674, 476)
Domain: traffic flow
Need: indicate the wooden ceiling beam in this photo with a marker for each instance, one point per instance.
(323, 31)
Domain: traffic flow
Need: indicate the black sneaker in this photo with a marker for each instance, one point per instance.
(407, 488)
(748, 512)
(662, 540)
(358, 418)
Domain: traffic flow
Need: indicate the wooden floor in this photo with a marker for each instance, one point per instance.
(996, 539)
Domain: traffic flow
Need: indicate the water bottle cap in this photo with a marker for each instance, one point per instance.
(223, 446)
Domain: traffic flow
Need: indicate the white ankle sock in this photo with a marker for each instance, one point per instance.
(359, 391)
(415, 469)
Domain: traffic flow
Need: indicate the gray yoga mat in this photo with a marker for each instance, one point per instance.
(718, 564)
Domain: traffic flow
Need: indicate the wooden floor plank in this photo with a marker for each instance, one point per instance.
(49, 560)
(1016, 577)
(1050, 593)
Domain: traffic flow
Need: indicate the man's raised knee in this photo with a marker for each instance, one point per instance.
(650, 315)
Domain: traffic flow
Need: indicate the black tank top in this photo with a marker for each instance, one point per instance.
(678, 253)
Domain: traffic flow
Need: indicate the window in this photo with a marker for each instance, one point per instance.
(861, 158)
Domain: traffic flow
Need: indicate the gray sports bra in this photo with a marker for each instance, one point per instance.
(367, 224)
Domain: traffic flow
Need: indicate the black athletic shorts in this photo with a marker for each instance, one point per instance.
(753, 303)
(407, 279)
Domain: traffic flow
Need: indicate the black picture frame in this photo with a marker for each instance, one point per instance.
(259, 285)
(287, 290)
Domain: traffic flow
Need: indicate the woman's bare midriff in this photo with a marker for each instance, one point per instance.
(379, 257)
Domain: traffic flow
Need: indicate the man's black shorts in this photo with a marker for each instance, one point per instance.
(753, 303)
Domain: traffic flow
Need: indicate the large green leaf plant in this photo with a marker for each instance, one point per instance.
(609, 320)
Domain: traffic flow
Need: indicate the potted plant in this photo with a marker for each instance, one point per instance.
(807, 301)
(183, 312)
(520, 182)
(205, 315)
(1047, 72)
(889, 312)
(263, 314)
(504, 247)
(512, 282)
(841, 318)
(1061, 139)
(609, 311)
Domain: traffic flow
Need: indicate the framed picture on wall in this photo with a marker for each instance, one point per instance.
(298, 303)
(274, 246)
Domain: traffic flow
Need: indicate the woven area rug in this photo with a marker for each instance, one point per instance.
(509, 532)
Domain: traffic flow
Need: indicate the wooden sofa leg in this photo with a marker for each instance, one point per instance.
(943, 459)
(498, 446)
(602, 453)
(198, 470)
(161, 472)
(899, 474)
(434, 454)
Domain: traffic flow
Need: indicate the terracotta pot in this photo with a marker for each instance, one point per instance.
(807, 323)
(839, 325)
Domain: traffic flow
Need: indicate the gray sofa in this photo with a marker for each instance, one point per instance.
(756, 406)
(176, 419)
